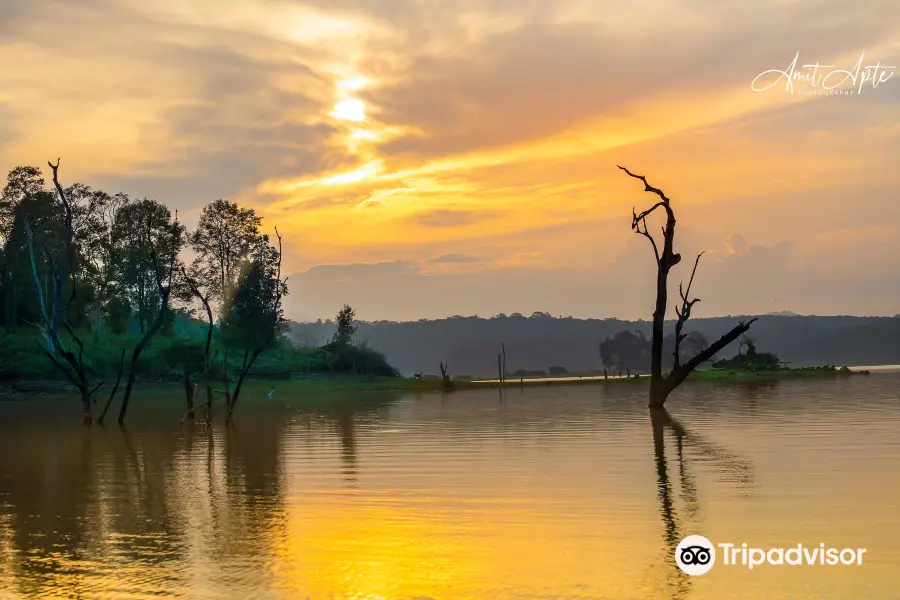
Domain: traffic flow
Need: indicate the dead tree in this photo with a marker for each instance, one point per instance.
(207, 363)
(661, 386)
(112, 393)
(445, 377)
(53, 310)
(161, 313)
(503, 352)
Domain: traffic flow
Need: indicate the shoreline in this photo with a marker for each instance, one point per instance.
(332, 384)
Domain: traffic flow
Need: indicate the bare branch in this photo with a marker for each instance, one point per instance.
(691, 280)
(685, 312)
(59, 364)
(636, 226)
(71, 333)
(679, 375)
(647, 186)
(112, 393)
(666, 258)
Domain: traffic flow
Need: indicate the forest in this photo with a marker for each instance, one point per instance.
(538, 341)
(95, 289)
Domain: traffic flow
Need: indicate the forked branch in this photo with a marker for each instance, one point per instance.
(661, 386)
(684, 313)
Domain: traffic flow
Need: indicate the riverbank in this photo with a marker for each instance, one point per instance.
(337, 384)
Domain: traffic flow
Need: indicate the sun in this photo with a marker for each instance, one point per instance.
(350, 109)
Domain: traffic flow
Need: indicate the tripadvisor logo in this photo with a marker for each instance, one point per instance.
(696, 555)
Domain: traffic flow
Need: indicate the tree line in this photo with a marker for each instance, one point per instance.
(75, 261)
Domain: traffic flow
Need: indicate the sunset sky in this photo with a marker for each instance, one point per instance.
(431, 158)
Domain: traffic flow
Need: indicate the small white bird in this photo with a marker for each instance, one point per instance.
(271, 393)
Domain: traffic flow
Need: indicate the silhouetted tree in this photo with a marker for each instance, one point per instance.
(445, 378)
(343, 336)
(660, 386)
(169, 238)
(141, 234)
(253, 316)
(53, 306)
(190, 288)
(104, 256)
(625, 350)
(225, 236)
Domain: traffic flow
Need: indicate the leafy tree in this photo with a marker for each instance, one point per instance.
(345, 327)
(22, 182)
(102, 253)
(225, 236)
(752, 360)
(625, 350)
(162, 241)
(253, 316)
(142, 235)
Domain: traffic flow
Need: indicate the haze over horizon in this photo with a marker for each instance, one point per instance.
(428, 159)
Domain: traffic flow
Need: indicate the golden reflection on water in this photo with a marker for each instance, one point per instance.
(529, 494)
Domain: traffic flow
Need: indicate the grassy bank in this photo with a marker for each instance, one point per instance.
(300, 385)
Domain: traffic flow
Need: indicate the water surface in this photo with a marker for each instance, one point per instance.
(532, 494)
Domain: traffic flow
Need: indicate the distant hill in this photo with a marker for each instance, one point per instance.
(470, 344)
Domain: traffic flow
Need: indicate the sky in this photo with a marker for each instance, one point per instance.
(430, 158)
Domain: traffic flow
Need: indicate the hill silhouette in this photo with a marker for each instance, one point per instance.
(470, 344)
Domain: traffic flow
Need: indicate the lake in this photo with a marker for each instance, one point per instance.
(523, 494)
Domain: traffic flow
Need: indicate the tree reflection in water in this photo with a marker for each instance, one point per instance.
(735, 468)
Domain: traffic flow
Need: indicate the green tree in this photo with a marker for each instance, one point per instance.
(224, 238)
(101, 253)
(21, 182)
(253, 316)
(343, 336)
(162, 241)
(142, 230)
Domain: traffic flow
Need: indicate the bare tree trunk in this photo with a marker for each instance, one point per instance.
(249, 360)
(112, 394)
(86, 416)
(164, 293)
(97, 327)
(660, 386)
(189, 388)
(67, 361)
(207, 362)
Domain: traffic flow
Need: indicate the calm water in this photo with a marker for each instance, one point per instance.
(549, 493)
